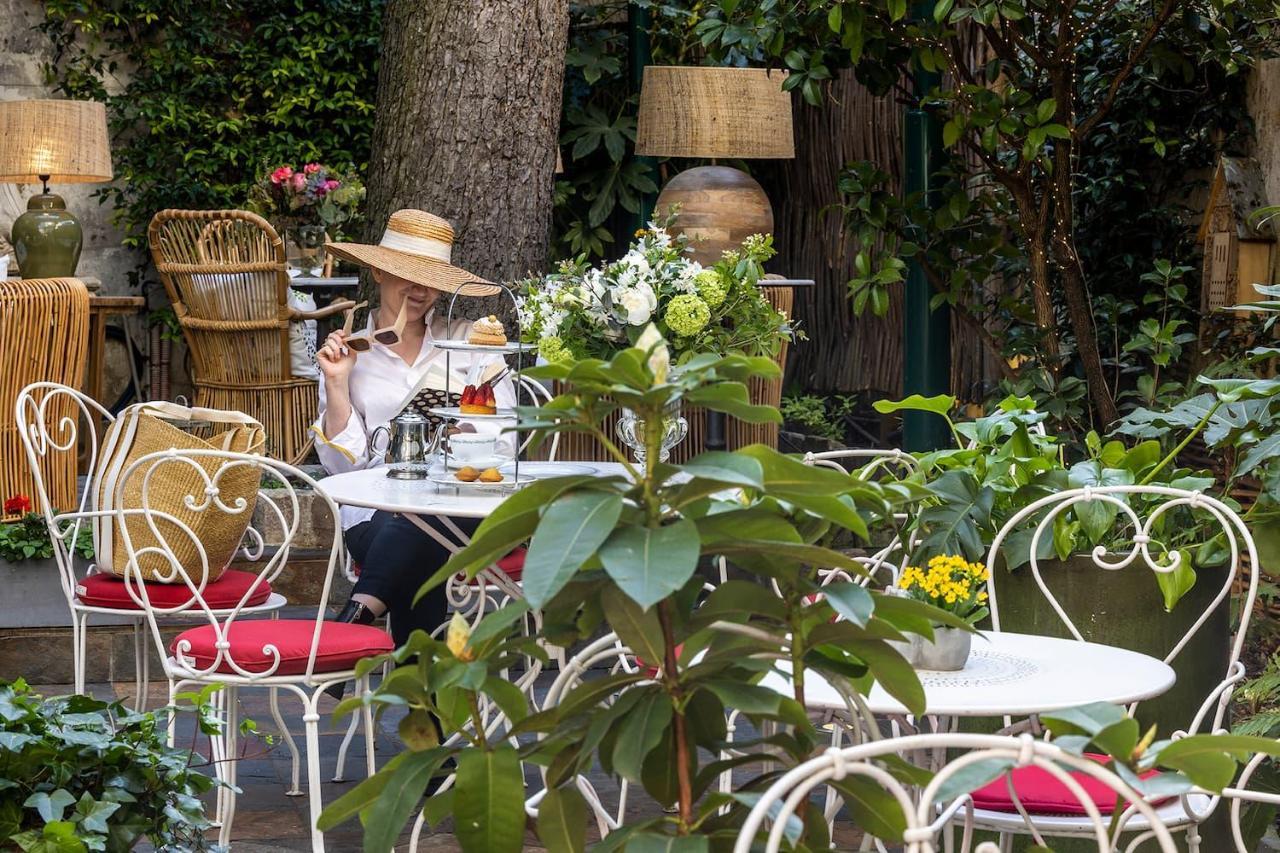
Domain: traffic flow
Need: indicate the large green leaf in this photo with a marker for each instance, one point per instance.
(972, 777)
(893, 672)
(1177, 583)
(571, 531)
(649, 564)
(873, 809)
(1235, 390)
(785, 476)
(562, 821)
(638, 628)
(851, 601)
(1098, 515)
(729, 468)
(939, 405)
(396, 801)
(954, 527)
(489, 806)
(732, 399)
(650, 842)
(639, 733)
(1263, 451)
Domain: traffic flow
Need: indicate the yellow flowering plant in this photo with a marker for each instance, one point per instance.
(950, 583)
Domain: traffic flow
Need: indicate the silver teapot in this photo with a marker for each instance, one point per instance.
(411, 445)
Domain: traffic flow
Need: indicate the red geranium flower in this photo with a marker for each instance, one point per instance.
(17, 503)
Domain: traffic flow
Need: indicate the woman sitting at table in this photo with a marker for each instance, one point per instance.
(361, 392)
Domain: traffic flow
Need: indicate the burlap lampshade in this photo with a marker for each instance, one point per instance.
(60, 141)
(65, 141)
(709, 112)
(703, 112)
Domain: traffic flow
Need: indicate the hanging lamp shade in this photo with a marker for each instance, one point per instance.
(713, 112)
(63, 141)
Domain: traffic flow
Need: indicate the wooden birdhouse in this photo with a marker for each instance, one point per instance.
(1238, 251)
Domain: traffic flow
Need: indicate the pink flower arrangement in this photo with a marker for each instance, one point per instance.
(311, 194)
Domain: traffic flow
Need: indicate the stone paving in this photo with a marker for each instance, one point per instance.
(267, 819)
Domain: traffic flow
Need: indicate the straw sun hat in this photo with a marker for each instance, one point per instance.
(416, 246)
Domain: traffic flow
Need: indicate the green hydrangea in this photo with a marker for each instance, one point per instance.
(687, 315)
(711, 287)
(553, 350)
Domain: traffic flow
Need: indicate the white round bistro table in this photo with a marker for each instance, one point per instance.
(418, 500)
(1014, 675)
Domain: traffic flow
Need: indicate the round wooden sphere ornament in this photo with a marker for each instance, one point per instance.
(717, 207)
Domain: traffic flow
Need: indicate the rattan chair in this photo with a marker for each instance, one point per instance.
(224, 271)
(45, 325)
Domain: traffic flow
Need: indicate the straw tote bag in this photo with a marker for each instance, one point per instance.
(149, 428)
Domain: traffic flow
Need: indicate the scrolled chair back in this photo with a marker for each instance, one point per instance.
(888, 560)
(1161, 505)
(933, 809)
(55, 422)
(190, 479)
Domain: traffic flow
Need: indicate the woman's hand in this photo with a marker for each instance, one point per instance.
(335, 359)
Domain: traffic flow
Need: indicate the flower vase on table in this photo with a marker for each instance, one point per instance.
(631, 431)
(304, 249)
(952, 584)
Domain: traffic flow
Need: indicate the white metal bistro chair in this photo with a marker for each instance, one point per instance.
(302, 656)
(933, 811)
(888, 561)
(608, 656)
(51, 417)
(1189, 811)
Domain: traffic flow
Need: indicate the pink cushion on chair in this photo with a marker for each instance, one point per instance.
(104, 590)
(341, 645)
(1040, 793)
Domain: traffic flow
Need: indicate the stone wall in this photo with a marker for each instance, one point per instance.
(23, 52)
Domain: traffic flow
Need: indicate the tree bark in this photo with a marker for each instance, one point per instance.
(467, 122)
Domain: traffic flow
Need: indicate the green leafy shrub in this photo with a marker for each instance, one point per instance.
(28, 537)
(200, 95)
(78, 774)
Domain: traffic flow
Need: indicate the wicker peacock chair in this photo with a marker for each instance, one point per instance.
(224, 271)
(45, 324)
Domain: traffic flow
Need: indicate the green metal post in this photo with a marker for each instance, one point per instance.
(640, 54)
(927, 358)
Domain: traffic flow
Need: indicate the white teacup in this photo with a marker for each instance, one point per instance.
(473, 447)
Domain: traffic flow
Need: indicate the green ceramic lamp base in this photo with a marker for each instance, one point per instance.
(47, 238)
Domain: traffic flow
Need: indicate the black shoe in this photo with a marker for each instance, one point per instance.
(357, 614)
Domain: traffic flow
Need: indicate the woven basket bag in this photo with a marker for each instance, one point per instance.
(149, 428)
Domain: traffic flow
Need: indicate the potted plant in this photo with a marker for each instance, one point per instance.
(79, 774)
(1002, 462)
(28, 570)
(621, 554)
(954, 585)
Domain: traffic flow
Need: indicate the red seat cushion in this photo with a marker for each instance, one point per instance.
(341, 645)
(651, 670)
(512, 565)
(104, 590)
(1040, 793)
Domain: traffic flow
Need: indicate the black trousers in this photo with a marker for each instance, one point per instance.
(395, 559)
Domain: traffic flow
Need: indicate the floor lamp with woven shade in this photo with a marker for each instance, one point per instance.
(720, 113)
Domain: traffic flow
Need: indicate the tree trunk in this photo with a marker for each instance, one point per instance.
(468, 117)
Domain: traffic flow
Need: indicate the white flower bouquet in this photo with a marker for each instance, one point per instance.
(581, 311)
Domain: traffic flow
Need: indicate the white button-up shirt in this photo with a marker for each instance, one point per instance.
(382, 384)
